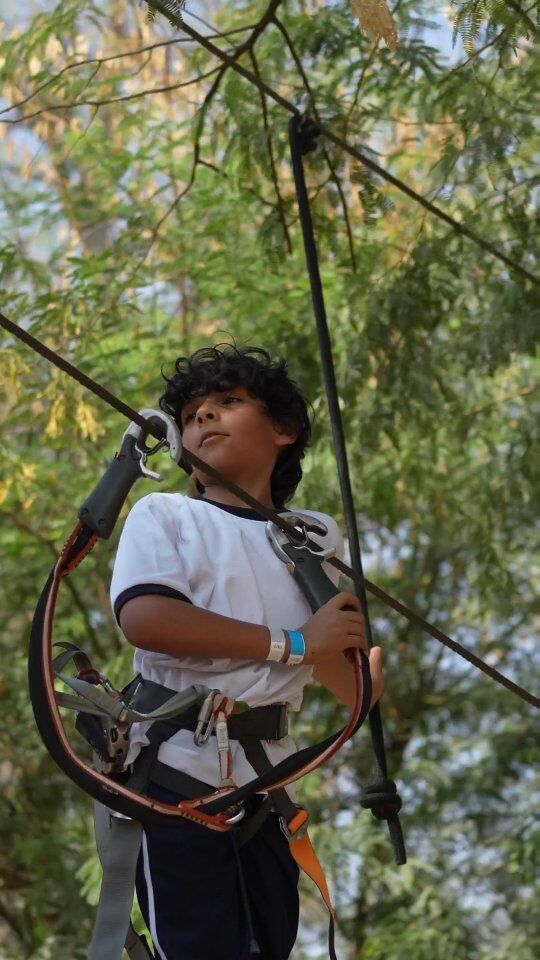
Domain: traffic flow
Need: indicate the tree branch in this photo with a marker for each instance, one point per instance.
(325, 152)
(522, 15)
(128, 96)
(361, 78)
(117, 56)
(270, 149)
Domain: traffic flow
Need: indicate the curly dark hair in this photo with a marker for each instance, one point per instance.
(225, 366)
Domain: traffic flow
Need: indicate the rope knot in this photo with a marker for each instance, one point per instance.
(308, 131)
(382, 799)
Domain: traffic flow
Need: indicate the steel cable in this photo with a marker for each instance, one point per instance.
(272, 515)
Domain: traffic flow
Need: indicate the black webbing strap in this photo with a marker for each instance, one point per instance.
(258, 758)
(384, 801)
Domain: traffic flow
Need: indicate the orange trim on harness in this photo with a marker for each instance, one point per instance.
(306, 858)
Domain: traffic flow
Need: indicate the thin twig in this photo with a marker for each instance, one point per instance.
(506, 399)
(361, 78)
(522, 15)
(116, 56)
(101, 103)
(270, 149)
(327, 157)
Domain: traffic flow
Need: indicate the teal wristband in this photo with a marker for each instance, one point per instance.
(298, 648)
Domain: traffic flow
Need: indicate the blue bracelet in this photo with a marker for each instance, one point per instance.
(298, 648)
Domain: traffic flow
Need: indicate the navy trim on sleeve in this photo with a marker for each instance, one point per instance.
(144, 589)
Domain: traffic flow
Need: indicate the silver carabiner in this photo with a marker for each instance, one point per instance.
(205, 720)
(172, 439)
(303, 524)
(236, 817)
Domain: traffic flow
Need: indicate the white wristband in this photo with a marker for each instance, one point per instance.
(277, 645)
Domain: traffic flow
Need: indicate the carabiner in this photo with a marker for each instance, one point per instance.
(205, 720)
(304, 524)
(172, 438)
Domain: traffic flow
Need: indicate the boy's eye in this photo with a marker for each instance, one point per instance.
(189, 416)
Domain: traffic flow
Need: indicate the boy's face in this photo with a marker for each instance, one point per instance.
(232, 431)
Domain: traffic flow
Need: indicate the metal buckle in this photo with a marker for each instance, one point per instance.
(205, 720)
(298, 834)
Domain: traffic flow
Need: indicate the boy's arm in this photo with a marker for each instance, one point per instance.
(337, 675)
(180, 629)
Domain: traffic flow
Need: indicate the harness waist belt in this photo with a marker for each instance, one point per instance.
(263, 723)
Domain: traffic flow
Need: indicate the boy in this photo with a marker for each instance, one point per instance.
(198, 590)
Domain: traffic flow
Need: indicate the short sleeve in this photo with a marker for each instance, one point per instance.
(148, 558)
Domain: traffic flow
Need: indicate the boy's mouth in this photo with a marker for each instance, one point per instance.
(209, 434)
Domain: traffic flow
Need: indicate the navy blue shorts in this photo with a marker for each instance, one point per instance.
(202, 898)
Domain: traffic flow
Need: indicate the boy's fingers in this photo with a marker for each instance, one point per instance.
(375, 659)
(358, 640)
(352, 616)
(346, 600)
(375, 667)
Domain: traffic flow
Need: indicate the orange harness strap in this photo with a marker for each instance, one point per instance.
(306, 858)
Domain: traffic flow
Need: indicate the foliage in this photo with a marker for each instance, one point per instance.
(138, 227)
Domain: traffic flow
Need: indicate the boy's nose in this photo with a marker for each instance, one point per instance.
(205, 412)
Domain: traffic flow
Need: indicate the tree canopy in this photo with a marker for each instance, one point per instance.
(147, 209)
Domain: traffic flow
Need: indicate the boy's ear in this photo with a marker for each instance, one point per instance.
(286, 434)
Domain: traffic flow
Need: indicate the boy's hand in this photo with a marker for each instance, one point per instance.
(332, 629)
(377, 676)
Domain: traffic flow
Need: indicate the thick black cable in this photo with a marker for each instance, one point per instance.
(266, 512)
(168, 9)
(302, 136)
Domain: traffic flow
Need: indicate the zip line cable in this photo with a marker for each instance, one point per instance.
(169, 9)
(131, 414)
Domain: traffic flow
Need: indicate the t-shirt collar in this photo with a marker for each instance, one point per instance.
(246, 512)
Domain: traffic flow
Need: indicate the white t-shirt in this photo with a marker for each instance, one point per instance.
(218, 558)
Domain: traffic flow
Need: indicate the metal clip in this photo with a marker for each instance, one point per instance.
(171, 438)
(303, 524)
(205, 720)
(236, 817)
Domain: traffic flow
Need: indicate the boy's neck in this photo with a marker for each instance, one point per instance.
(219, 494)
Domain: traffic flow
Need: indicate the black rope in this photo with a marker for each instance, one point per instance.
(273, 515)
(167, 8)
(303, 135)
